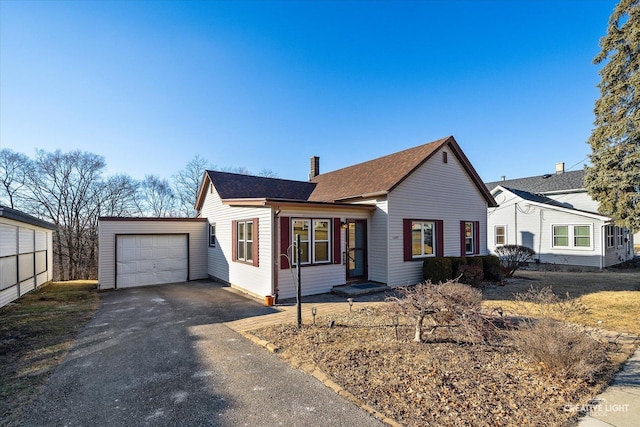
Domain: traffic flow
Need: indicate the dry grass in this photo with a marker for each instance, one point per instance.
(35, 334)
(611, 298)
(443, 381)
(446, 380)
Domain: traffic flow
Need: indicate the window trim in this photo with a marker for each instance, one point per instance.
(212, 234)
(504, 235)
(235, 239)
(434, 239)
(475, 238)
(311, 242)
(610, 231)
(438, 233)
(619, 237)
(571, 235)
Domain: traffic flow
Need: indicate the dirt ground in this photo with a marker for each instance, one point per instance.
(447, 380)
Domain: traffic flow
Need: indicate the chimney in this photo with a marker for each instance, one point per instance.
(315, 167)
(502, 178)
(559, 168)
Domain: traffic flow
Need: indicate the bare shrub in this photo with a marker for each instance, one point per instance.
(544, 336)
(561, 349)
(447, 305)
(512, 256)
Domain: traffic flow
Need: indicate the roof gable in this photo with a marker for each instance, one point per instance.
(548, 202)
(382, 175)
(548, 183)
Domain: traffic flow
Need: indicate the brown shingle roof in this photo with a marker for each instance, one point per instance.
(376, 176)
(383, 174)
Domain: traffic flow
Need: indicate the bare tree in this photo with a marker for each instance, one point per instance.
(157, 197)
(119, 197)
(187, 183)
(14, 168)
(64, 190)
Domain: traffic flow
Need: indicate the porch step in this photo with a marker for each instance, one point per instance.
(359, 289)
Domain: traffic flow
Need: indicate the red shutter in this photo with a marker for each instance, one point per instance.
(285, 240)
(337, 256)
(406, 239)
(476, 236)
(463, 246)
(234, 240)
(439, 237)
(256, 252)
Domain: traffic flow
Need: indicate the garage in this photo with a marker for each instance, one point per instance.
(151, 260)
(151, 251)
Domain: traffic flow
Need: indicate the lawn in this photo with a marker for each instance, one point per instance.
(447, 380)
(36, 332)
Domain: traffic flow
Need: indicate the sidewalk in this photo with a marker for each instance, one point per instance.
(617, 406)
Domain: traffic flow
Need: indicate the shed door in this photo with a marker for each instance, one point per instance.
(151, 260)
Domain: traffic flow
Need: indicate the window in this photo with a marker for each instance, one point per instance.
(611, 238)
(500, 234)
(578, 236)
(422, 239)
(619, 236)
(561, 235)
(244, 248)
(469, 237)
(315, 240)
(212, 235)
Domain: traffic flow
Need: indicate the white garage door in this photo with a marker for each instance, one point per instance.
(151, 260)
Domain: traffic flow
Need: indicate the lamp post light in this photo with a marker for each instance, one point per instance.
(314, 311)
(350, 301)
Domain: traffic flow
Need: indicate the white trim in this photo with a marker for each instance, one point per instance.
(495, 235)
(571, 236)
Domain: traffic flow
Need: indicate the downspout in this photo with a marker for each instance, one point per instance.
(540, 235)
(603, 245)
(515, 206)
(275, 256)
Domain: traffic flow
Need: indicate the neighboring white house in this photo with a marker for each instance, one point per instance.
(374, 221)
(26, 253)
(554, 215)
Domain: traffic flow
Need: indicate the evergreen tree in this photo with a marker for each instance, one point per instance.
(614, 177)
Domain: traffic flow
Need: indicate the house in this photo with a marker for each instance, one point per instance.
(374, 221)
(26, 253)
(554, 215)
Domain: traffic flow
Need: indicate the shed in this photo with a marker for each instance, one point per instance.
(26, 253)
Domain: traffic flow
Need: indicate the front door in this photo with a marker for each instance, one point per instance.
(356, 249)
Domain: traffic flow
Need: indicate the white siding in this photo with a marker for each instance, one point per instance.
(531, 225)
(32, 267)
(378, 247)
(577, 200)
(436, 191)
(255, 280)
(26, 242)
(109, 228)
(8, 240)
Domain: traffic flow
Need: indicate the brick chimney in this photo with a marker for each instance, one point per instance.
(559, 168)
(315, 167)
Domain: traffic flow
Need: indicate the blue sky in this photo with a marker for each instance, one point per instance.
(150, 84)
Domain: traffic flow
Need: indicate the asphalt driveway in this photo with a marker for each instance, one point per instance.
(160, 356)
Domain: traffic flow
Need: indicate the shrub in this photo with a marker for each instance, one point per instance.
(436, 270)
(456, 265)
(561, 349)
(449, 304)
(491, 268)
(512, 256)
(472, 272)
